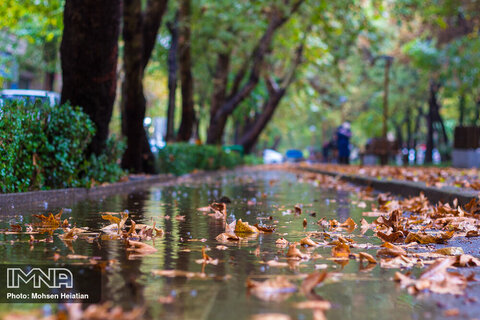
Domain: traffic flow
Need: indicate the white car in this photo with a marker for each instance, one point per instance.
(50, 97)
(271, 156)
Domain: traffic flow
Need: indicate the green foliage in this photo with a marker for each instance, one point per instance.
(105, 167)
(181, 158)
(43, 147)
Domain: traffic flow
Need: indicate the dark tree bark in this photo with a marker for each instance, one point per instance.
(408, 127)
(89, 52)
(139, 35)
(172, 78)
(431, 117)
(275, 94)
(477, 111)
(186, 79)
(223, 108)
(461, 107)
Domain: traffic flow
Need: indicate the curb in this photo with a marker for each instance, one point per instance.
(405, 188)
(12, 201)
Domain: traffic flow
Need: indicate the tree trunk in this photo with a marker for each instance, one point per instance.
(408, 128)
(133, 100)
(432, 106)
(172, 78)
(249, 139)
(89, 52)
(461, 109)
(186, 79)
(477, 112)
(275, 95)
(139, 35)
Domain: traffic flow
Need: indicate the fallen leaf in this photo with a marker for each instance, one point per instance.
(294, 253)
(244, 227)
(341, 250)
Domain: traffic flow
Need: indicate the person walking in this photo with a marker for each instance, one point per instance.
(343, 143)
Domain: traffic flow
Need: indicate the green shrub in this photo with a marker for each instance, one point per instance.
(181, 158)
(105, 167)
(43, 147)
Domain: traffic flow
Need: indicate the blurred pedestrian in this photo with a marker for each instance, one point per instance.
(343, 143)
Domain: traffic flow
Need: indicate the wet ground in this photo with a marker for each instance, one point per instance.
(255, 196)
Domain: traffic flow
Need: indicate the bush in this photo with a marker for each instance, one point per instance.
(181, 158)
(43, 147)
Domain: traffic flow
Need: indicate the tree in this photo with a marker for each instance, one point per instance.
(140, 30)
(89, 52)
(172, 77)
(185, 60)
(276, 92)
(223, 104)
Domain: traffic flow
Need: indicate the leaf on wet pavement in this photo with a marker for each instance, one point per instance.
(391, 250)
(307, 241)
(226, 237)
(424, 238)
(436, 278)
(341, 250)
(244, 227)
(367, 257)
(294, 253)
(264, 228)
(450, 251)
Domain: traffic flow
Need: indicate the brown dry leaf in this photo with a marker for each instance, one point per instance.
(308, 242)
(450, 251)
(298, 209)
(71, 234)
(305, 223)
(392, 237)
(472, 233)
(341, 250)
(274, 289)
(311, 281)
(364, 226)
(294, 253)
(219, 209)
(436, 279)
(225, 237)
(424, 238)
(366, 256)
(391, 250)
(50, 221)
(349, 224)
(466, 260)
(264, 228)
(244, 227)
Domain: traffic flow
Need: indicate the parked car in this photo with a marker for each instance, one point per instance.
(271, 156)
(294, 155)
(29, 96)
